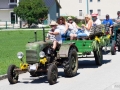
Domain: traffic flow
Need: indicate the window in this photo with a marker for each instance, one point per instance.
(13, 1)
(91, 11)
(80, 1)
(98, 0)
(80, 12)
(99, 12)
(90, 0)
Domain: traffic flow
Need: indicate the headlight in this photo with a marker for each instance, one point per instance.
(42, 54)
(20, 55)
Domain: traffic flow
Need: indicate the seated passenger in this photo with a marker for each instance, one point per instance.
(86, 28)
(62, 26)
(96, 20)
(56, 33)
(72, 29)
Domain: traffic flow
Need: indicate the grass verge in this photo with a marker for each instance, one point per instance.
(12, 42)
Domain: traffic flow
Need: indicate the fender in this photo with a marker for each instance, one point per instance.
(64, 50)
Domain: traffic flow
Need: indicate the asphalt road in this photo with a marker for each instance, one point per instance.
(89, 77)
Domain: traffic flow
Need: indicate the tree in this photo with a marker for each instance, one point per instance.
(31, 10)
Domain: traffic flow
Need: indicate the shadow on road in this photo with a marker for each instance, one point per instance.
(90, 64)
(43, 79)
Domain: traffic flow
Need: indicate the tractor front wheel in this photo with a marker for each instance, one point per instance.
(52, 74)
(12, 75)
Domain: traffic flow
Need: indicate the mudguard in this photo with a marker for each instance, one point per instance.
(64, 50)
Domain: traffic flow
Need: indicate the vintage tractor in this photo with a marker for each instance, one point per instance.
(40, 60)
(116, 35)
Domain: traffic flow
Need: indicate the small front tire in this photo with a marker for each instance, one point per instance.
(52, 74)
(12, 75)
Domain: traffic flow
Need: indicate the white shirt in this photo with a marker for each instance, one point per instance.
(61, 28)
(97, 22)
(72, 27)
(58, 37)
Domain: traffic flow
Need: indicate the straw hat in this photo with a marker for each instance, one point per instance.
(53, 23)
(94, 14)
(69, 18)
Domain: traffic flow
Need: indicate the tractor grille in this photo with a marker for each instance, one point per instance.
(31, 56)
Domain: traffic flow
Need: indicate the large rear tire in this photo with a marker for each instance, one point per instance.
(12, 75)
(71, 67)
(113, 47)
(118, 41)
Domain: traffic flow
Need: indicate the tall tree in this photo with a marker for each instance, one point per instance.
(31, 10)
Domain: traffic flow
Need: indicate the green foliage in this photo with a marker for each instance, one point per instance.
(31, 10)
(13, 42)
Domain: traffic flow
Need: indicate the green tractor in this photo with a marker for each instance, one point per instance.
(40, 60)
(116, 35)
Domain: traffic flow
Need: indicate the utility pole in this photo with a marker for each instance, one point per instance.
(87, 6)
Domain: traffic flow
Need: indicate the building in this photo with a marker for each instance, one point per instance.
(7, 14)
(54, 9)
(80, 8)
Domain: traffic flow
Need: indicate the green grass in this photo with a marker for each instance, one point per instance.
(12, 42)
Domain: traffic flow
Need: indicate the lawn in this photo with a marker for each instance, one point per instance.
(12, 42)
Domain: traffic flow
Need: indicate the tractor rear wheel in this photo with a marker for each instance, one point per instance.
(113, 47)
(98, 57)
(71, 67)
(118, 41)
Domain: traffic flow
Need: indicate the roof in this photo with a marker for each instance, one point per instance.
(50, 3)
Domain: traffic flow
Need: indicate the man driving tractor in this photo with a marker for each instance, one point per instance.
(54, 35)
(108, 24)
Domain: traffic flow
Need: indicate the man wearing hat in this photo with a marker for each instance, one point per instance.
(96, 21)
(54, 35)
(108, 23)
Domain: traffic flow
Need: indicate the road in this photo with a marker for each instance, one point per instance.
(89, 77)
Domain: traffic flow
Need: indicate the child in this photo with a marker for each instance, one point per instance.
(55, 35)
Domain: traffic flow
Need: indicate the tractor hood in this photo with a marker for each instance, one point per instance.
(33, 49)
(37, 45)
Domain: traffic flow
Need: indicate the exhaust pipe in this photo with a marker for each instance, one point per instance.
(43, 34)
(35, 36)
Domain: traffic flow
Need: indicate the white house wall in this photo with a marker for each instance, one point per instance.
(5, 15)
(72, 7)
